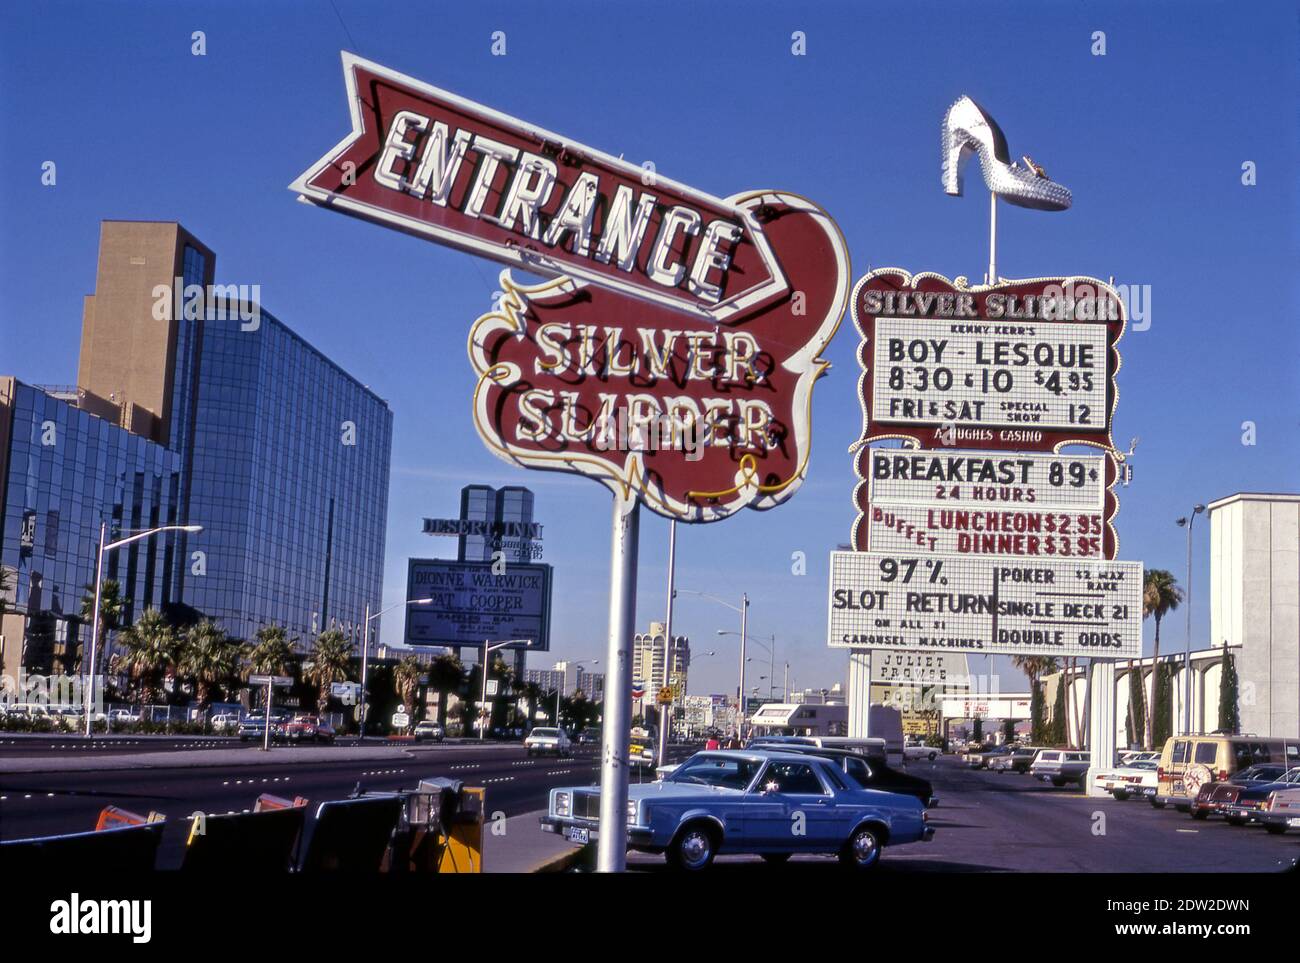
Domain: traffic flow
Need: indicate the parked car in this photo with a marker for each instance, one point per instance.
(872, 774)
(225, 722)
(1281, 810)
(981, 760)
(874, 749)
(920, 751)
(1213, 797)
(1139, 755)
(544, 740)
(747, 801)
(1250, 802)
(1061, 766)
(1189, 762)
(1136, 779)
(253, 727)
(121, 717)
(1018, 760)
(304, 728)
(429, 729)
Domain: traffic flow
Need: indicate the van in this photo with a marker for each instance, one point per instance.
(1189, 762)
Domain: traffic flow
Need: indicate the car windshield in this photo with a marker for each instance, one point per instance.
(546, 732)
(726, 772)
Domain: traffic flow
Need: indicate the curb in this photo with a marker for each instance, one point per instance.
(568, 862)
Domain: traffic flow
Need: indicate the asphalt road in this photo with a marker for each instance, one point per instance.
(48, 802)
(987, 822)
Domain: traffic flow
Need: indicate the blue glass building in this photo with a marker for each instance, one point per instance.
(221, 417)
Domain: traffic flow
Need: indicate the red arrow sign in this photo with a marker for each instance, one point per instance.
(433, 164)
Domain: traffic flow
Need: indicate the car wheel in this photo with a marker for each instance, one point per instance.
(1120, 795)
(932, 755)
(776, 859)
(862, 851)
(1197, 813)
(1156, 803)
(1058, 783)
(1277, 829)
(1238, 821)
(693, 848)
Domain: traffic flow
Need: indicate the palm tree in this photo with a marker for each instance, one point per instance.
(271, 653)
(504, 673)
(112, 608)
(1034, 667)
(150, 649)
(1160, 596)
(209, 657)
(406, 680)
(329, 662)
(445, 677)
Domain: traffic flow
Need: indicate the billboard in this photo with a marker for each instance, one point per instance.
(948, 670)
(990, 606)
(471, 603)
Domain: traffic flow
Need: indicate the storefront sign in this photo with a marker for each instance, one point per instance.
(1022, 365)
(992, 606)
(472, 603)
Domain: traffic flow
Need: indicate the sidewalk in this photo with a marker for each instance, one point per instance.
(203, 758)
(524, 848)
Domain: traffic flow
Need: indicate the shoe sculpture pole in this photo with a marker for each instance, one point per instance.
(968, 129)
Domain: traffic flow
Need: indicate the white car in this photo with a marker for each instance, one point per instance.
(921, 752)
(225, 722)
(1136, 779)
(547, 741)
(428, 729)
(123, 716)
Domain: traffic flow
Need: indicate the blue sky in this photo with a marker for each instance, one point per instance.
(1150, 137)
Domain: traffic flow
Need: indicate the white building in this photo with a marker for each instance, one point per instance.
(1255, 604)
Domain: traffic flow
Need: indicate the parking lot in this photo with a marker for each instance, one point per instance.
(991, 822)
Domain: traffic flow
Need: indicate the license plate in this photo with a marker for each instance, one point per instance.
(577, 834)
(1293, 821)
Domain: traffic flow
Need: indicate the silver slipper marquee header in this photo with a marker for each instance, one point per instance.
(433, 164)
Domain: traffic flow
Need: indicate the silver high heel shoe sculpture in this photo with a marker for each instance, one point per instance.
(968, 129)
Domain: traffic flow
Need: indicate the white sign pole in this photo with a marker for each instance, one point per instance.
(859, 693)
(612, 846)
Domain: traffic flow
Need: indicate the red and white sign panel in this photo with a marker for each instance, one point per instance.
(1021, 365)
(697, 420)
(428, 162)
(993, 606)
(986, 502)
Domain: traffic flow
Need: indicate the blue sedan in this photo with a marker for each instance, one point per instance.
(770, 803)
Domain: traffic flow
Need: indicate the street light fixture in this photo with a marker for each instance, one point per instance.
(1187, 522)
(743, 609)
(488, 648)
(365, 653)
(771, 652)
(105, 547)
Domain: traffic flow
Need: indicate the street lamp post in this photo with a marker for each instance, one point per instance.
(365, 655)
(488, 648)
(104, 548)
(743, 609)
(1187, 523)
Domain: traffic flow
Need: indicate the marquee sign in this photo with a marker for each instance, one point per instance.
(991, 606)
(696, 419)
(948, 670)
(672, 353)
(425, 161)
(472, 602)
(986, 502)
(1021, 365)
